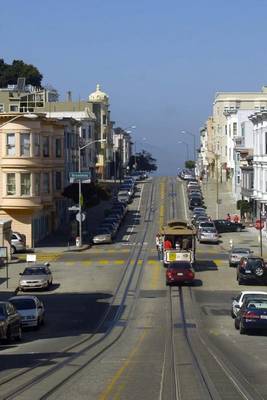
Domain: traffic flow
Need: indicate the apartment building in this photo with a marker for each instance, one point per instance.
(232, 102)
(239, 144)
(259, 121)
(122, 148)
(32, 174)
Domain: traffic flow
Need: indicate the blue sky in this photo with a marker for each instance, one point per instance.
(161, 62)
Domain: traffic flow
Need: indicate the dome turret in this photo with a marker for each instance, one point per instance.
(98, 96)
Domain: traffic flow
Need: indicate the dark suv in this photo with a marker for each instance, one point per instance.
(251, 269)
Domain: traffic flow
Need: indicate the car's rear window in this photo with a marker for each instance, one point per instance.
(2, 310)
(255, 263)
(180, 265)
(207, 225)
(35, 271)
(257, 304)
(240, 251)
(23, 304)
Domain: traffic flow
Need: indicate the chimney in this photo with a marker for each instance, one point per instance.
(69, 97)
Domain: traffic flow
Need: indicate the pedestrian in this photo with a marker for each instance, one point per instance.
(236, 218)
(167, 244)
(228, 217)
(157, 242)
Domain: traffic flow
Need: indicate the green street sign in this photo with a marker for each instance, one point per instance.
(83, 176)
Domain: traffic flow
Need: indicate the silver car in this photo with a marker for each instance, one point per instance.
(36, 277)
(103, 235)
(18, 242)
(208, 235)
(236, 254)
(31, 310)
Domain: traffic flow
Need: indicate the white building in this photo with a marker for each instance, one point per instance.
(239, 137)
(259, 120)
(86, 133)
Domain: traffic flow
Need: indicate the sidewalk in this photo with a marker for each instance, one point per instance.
(248, 238)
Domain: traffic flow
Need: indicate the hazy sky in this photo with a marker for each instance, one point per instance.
(161, 62)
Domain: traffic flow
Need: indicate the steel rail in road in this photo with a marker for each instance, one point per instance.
(240, 388)
(92, 342)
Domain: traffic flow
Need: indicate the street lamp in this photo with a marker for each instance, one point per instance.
(80, 184)
(187, 148)
(194, 138)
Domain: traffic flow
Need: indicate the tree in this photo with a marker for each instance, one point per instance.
(143, 161)
(190, 164)
(9, 73)
(93, 193)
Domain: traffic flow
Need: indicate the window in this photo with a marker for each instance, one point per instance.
(37, 184)
(46, 146)
(2, 108)
(84, 133)
(104, 119)
(10, 184)
(58, 180)
(25, 145)
(265, 142)
(10, 144)
(89, 132)
(46, 183)
(225, 129)
(238, 179)
(13, 108)
(58, 148)
(226, 150)
(37, 151)
(243, 130)
(25, 184)
(234, 128)
(230, 130)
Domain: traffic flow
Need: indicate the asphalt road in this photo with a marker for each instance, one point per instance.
(114, 330)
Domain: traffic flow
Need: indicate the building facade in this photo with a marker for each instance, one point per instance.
(232, 102)
(32, 174)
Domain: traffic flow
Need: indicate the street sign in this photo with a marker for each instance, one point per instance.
(83, 176)
(73, 208)
(78, 218)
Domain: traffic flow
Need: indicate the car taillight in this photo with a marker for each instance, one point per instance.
(250, 315)
(191, 274)
(169, 274)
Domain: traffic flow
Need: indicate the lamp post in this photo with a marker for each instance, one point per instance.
(187, 148)
(80, 185)
(194, 138)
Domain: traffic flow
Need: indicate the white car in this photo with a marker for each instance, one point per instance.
(31, 310)
(208, 235)
(240, 298)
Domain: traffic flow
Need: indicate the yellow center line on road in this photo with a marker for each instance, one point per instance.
(110, 388)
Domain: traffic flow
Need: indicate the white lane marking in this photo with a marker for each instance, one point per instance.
(185, 207)
(138, 209)
(163, 372)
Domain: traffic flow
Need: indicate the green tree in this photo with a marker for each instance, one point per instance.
(143, 161)
(190, 164)
(9, 73)
(93, 193)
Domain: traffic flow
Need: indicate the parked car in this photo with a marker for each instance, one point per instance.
(241, 297)
(123, 197)
(103, 235)
(10, 322)
(195, 202)
(236, 254)
(199, 210)
(251, 269)
(208, 235)
(179, 272)
(36, 277)
(252, 315)
(31, 310)
(18, 242)
(223, 226)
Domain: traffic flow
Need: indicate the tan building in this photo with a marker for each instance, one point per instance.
(31, 174)
(229, 102)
